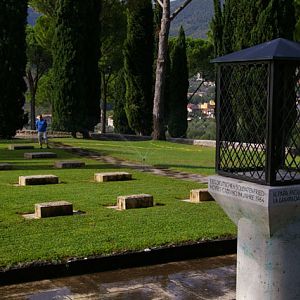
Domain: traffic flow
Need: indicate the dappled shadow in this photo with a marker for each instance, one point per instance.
(16, 155)
(108, 157)
(168, 166)
(120, 137)
(51, 167)
(86, 152)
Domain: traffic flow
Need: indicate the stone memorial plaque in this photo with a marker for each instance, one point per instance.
(233, 188)
(285, 195)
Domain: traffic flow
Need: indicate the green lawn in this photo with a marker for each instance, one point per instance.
(188, 158)
(100, 230)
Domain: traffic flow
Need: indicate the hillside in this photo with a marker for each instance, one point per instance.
(195, 18)
(32, 16)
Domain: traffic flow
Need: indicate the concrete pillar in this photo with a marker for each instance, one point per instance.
(268, 220)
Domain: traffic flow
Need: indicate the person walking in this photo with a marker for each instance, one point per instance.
(41, 126)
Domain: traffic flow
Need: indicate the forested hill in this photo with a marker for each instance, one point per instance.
(195, 18)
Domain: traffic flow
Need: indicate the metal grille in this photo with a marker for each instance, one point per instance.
(245, 106)
(287, 158)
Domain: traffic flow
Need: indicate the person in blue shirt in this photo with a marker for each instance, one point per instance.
(41, 126)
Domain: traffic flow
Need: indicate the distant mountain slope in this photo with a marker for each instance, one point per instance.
(195, 18)
(32, 16)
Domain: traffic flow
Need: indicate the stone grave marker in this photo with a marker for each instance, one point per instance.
(20, 147)
(53, 209)
(69, 164)
(5, 166)
(134, 201)
(33, 155)
(38, 180)
(200, 195)
(112, 176)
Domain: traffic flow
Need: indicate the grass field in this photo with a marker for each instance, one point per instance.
(100, 230)
(188, 158)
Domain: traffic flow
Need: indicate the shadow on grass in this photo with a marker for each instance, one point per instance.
(51, 167)
(103, 152)
(129, 155)
(14, 141)
(14, 155)
(160, 166)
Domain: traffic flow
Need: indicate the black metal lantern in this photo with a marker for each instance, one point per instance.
(258, 117)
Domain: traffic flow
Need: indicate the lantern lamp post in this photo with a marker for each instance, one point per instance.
(258, 165)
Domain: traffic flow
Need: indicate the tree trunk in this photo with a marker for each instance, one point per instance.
(32, 90)
(103, 116)
(104, 103)
(85, 134)
(32, 112)
(160, 80)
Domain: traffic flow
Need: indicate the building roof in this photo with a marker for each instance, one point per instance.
(278, 49)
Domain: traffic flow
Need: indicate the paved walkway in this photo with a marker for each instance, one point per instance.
(200, 279)
(133, 165)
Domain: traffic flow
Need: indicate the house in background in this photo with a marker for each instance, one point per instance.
(192, 108)
(208, 109)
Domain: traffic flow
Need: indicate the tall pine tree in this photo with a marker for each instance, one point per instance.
(91, 31)
(138, 62)
(113, 22)
(230, 18)
(120, 119)
(242, 23)
(13, 15)
(177, 112)
(76, 52)
(217, 28)
(276, 20)
(245, 24)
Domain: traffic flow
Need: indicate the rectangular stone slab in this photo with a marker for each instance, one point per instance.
(112, 176)
(32, 155)
(38, 180)
(5, 166)
(69, 164)
(200, 195)
(20, 147)
(53, 209)
(134, 201)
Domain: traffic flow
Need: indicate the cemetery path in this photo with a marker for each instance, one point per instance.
(199, 279)
(129, 164)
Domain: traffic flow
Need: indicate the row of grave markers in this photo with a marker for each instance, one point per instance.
(62, 208)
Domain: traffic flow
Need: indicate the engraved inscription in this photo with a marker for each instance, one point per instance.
(237, 190)
(283, 196)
